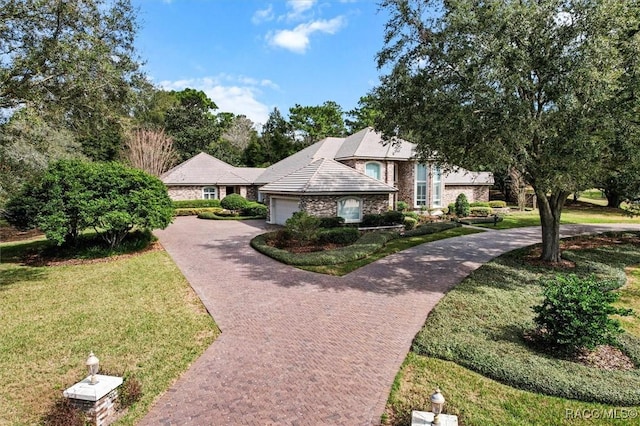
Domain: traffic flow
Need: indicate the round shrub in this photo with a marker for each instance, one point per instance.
(234, 202)
(575, 314)
(342, 236)
(480, 211)
(254, 209)
(410, 223)
(462, 207)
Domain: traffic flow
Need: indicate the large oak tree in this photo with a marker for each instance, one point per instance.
(527, 84)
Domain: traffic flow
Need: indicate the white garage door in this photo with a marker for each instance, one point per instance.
(282, 209)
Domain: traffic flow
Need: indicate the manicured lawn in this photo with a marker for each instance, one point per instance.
(572, 213)
(137, 313)
(479, 326)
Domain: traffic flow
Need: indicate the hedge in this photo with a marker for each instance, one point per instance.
(195, 204)
(431, 228)
(196, 211)
(367, 244)
(480, 211)
(497, 204)
(214, 216)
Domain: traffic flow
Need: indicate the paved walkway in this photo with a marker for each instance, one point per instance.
(299, 348)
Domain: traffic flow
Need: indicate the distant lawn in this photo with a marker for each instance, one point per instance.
(572, 213)
(479, 326)
(137, 313)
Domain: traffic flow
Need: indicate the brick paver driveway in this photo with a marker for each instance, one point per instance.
(302, 348)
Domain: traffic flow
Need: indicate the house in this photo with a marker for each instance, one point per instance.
(347, 177)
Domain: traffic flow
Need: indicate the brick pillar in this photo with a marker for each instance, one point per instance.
(98, 401)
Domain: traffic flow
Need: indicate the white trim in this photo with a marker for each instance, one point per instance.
(360, 207)
(206, 191)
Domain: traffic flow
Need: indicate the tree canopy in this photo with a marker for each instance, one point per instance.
(530, 85)
(313, 123)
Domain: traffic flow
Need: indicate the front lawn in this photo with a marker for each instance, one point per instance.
(136, 312)
(579, 212)
(473, 347)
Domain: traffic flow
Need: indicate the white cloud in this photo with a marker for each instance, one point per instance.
(297, 40)
(263, 15)
(299, 7)
(237, 94)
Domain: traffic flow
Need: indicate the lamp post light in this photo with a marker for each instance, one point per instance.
(437, 402)
(93, 364)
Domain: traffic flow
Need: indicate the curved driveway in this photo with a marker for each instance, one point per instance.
(300, 348)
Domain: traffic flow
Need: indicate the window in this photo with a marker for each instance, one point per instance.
(373, 170)
(421, 185)
(209, 193)
(436, 180)
(350, 209)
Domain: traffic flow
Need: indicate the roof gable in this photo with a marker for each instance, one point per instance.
(204, 169)
(369, 144)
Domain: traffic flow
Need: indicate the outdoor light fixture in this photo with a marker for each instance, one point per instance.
(93, 364)
(437, 401)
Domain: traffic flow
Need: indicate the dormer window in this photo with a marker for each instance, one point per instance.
(373, 170)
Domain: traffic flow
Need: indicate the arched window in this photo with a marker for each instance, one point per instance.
(350, 208)
(373, 170)
(209, 193)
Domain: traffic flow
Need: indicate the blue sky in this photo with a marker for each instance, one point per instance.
(250, 56)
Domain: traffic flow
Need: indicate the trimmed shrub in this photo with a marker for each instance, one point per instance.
(196, 211)
(431, 228)
(413, 215)
(410, 223)
(402, 206)
(462, 207)
(372, 220)
(342, 236)
(195, 204)
(254, 209)
(497, 204)
(480, 211)
(392, 217)
(451, 209)
(331, 222)
(302, 227)
(575, 314)
(479, 204)
(234, 202)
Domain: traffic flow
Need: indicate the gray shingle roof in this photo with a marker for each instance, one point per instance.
(203, 169)
(369, 144)
(324, 176)
(461, 176)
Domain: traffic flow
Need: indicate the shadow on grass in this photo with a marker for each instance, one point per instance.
(17, 275)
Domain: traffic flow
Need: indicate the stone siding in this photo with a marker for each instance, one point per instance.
(178, 193)
(473, 193)
(406, 182)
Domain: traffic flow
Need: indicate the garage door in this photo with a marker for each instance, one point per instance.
(282, 209)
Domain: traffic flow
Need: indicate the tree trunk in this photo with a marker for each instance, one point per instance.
(550, 207)
(614, 199)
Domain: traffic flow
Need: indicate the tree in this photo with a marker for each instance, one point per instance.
(314, 123)
(73, 195)
(364, 115)
(74, 61)
(527, 84)
(150, 151)
(277, 140)
(191, 123)
(27, 144)
(240, 132)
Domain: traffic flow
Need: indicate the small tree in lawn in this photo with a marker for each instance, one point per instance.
(74, 195)
(150, 150)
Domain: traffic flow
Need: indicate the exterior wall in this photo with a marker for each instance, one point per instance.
(327, 205)
(177, 193)
(473, 193)
(406, 182)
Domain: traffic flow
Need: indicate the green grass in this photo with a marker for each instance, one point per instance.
(391, 247)
(571, 214)
(479, 325)
(137, 313)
